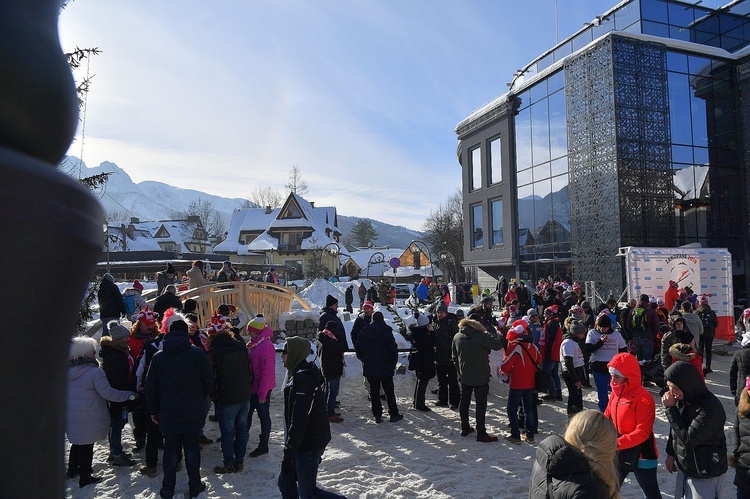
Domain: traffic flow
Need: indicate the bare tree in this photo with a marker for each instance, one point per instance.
(117, 216)
(296, 184)
(210, 218)
(265, 195)
(444, 231)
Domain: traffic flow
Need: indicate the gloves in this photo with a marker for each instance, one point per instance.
(287, 466)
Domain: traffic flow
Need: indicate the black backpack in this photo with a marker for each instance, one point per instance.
(708, 323)
(639, 319)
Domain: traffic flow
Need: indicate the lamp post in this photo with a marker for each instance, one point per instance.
(334, 251)
(106, 242)
(376, 257)
(416, 247)
(445, 255)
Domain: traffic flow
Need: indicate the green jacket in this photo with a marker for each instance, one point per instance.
(471, 347)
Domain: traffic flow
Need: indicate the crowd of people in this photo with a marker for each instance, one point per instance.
(168, 369)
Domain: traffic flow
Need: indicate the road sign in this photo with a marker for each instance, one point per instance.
(394, 263)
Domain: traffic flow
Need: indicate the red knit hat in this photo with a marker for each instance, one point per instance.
(137, 285)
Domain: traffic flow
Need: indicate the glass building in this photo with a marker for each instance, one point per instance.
(631, 132)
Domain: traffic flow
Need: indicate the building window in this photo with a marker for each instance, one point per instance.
(476, 169)
(477, 232)
(497, 221)
(496, 161)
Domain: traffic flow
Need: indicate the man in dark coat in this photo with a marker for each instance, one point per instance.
(739, 369)
(330, 313)
(166, 301)
(305, 419)
(165, 278)
(697, 446)
(377, 349)
(445, 329)
(423, 341)
(349, 298)
(111, 304)
(177, 384)
(331, 348)
(524, 296)
(232, 398)
(706, 340)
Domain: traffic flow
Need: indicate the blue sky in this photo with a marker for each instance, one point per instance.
(362, 96)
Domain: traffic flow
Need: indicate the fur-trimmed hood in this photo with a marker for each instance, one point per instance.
(108, 342)
(683, 352)
(466, 325)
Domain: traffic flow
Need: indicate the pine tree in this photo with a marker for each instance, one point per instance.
(363, 233)
(384, 291)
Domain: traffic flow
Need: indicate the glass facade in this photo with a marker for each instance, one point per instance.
(477, 231)
(542, 178)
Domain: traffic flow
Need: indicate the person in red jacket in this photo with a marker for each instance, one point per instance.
(632, 410)
(671, 296)
(549, 344)
(522, 357)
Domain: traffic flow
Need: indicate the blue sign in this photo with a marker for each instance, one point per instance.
(394, 263)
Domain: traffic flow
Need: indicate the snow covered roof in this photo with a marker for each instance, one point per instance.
(147, 236)
(689, 182)
(296, 213)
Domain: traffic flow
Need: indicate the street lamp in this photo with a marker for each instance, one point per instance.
(334, 251)
(376, 257)
(415, 248)
(445, 255)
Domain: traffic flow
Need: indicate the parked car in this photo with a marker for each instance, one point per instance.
(402, 291)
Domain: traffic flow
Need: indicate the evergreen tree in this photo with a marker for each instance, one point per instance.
(363, 233)
(384, 292)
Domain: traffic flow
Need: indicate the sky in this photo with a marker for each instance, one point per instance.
(362, 96)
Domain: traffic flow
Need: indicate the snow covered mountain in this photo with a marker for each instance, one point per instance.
(150, 200)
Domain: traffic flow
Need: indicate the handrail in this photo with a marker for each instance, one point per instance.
(250, 296)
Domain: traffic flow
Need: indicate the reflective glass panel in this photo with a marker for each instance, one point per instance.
(700, 155)
(626, 16)
(540, 132)
(556, 82)
(680, 15)
(526, 207)
(497, 221)
(523, 139)
(562, 51)
(698, 65)
(700, 125)
(677, 62)
(679, 108)
(679, 33)
(654, 10)
(496, 166)
(542, 205)
(476, 168)
(541, 171)
(561, 206)
(477, 234)
(524, 177)
(560, 166)
(682, 154)
(581, 40)
(557, 125)
(655, 29)
(605, 27)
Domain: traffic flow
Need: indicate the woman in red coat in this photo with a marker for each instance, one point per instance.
(632, 410)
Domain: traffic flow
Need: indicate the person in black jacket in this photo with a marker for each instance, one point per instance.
(697, 446)
(330, 313)
(166, 301)
(524, 296)
(349, 298)
(332, 345)
(579, 465)
(740, 457)
(117, 364)
(177, 384)
(445, 328)
(706, 340)
(423, 341)
(111, 304)
(232, 398)
(377, 350)
(306, 422)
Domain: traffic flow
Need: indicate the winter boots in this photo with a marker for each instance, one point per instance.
(121, 459)
(261, 449)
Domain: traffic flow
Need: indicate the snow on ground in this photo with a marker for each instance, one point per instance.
(423, 455)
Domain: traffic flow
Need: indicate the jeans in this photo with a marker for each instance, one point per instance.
(601, 381)
(647, 481)
(644, 347)
(234, 431)
(264, 414)
(332, 391)
(480, 396)
(172, 445)
(552, 368)
(705, 345)
(390, 396)
(448, 390)
(526, 399)
(304, 485)
(116, 424)
(153, 437)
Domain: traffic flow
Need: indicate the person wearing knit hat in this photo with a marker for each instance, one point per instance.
(739, 368)
(111, 304)
(179, 380)
(378, 351)
(697, 445)
(137, 285)
(604, 342)
(572, 363)
(88, 419)
(671, 295)
(330, 313)
(549, 344)
(261, 354)
(520, 366)
(164, 278)
(308, 430)
(331, 348)
(116, 362)
(706, 340)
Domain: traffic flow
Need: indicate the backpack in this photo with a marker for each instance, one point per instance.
(129, 305)
(708, 323)
(639, 319)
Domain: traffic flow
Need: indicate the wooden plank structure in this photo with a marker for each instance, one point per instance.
(251, 296)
